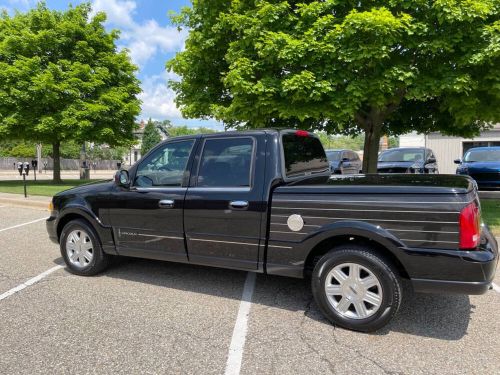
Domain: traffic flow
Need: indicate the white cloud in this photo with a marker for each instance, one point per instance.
(143, 40)
(158, 99)
(119, 13)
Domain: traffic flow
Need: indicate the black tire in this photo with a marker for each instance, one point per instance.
(368, 260)
(99, 260)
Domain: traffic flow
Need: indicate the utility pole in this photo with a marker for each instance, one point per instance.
(39, 157)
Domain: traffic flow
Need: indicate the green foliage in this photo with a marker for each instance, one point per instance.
(27, 149)
(150, 138)
(177, 131)
(62, 78)
(373, 67)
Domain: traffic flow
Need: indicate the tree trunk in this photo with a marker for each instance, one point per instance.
(371, 146)
(57, 161)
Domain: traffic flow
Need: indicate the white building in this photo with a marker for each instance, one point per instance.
(448, 148)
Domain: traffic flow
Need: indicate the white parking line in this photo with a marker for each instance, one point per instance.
(23, 224)
(235, 356)
(29, 282)
(496, 288)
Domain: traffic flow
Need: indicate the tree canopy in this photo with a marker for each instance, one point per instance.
(372, 67)
(150, 138)
(62, 78)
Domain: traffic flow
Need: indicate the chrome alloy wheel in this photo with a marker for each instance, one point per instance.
(353, 291)
(79, 248)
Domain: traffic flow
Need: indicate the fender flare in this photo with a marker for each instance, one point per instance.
(355, 229)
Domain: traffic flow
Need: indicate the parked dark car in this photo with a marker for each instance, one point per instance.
(264, 201)
(344, 161)
(483, 165)
(407, 160)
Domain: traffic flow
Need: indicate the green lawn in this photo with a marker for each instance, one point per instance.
(491, 214)
(40, 187)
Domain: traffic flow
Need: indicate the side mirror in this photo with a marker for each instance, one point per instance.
(431, 160)
(122, 178)
(457, 161)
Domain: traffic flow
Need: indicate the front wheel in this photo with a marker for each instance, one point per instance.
(81, 249)
(356, 288)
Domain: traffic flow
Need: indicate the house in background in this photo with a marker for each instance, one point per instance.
(448, 148)
(134, 152)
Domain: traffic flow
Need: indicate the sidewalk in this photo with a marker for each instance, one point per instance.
(100, 174)
(33, 201)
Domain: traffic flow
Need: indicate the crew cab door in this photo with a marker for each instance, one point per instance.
(223, 208)
(147, 218)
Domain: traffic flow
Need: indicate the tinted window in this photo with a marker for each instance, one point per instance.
(355, 156)
(165, 166)
(303, 155)
(226, 163)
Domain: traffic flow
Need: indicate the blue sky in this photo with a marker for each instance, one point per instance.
(152, 40)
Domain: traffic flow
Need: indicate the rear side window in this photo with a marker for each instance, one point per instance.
(226, 163)
(304, 155)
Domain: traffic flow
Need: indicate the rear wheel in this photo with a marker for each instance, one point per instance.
(356, 288)
(81, 249)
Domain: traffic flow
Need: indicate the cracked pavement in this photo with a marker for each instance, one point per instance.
(144, 316)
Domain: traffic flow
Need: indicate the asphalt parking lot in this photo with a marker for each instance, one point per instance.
(143, 316)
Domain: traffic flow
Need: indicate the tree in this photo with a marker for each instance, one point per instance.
(372, 67)
(150, 138)
(62, 78)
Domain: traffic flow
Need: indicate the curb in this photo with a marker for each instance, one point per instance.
(25, 202)
(484, 194)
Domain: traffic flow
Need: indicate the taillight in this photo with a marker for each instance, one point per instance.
(470, 227)
(302, 133)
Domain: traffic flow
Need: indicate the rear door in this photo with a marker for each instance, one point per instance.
(223, 207)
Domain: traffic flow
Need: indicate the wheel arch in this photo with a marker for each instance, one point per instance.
(356, 233)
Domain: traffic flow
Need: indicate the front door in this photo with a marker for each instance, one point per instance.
(147, 218)
(223, 208)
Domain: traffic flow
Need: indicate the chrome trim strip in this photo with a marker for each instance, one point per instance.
(453, 242)
(290, 232)
(420, 231)
(341, 201)
(152, 235)
(343, 209)
(236, 243)
(282, 247)
(353, 218)
(306, 225)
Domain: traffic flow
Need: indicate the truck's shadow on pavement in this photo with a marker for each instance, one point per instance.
(444, 317)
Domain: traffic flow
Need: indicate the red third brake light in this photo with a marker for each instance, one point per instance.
(302, 133)
(470, 227)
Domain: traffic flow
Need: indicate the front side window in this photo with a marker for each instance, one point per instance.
(226, 163)
(165, 166)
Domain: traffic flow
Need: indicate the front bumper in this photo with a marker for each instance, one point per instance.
(51, 225)
(463, 272)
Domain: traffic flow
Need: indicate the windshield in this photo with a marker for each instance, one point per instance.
(333, 155)
(399, 155)
(482, 155)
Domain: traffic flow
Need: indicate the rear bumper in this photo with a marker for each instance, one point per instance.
(445, 287)
(463, 272)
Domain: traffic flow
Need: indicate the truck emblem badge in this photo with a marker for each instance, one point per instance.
(295, 222)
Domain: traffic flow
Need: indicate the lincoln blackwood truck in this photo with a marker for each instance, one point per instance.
(264, 201)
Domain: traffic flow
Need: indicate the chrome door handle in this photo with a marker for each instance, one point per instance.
(238, 205)
(166, 203)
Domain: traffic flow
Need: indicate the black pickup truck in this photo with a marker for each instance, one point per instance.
(264, 201)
